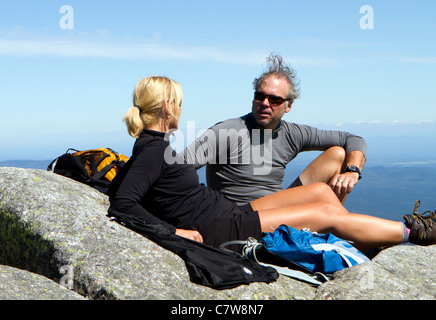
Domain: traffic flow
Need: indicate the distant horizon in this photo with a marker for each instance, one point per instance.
(299, 162)
(391, 141)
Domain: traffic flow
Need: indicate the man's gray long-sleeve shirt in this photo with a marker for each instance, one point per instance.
(246, 162)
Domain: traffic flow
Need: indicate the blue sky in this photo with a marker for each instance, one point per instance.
(62, 88)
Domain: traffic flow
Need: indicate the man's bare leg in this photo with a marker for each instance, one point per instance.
(330, 167)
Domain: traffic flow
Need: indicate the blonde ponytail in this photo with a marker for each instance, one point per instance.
(149, 97)
(134, 123)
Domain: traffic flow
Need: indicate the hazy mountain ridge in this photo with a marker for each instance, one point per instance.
(26, 164)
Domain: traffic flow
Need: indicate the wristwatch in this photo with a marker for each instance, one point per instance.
(354, 169)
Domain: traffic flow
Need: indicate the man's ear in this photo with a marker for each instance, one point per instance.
(289, 106)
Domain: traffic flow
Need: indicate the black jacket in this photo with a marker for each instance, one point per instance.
(157, 192)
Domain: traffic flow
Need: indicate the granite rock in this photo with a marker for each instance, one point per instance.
(57, 229)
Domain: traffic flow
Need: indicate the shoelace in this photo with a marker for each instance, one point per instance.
(426, 220)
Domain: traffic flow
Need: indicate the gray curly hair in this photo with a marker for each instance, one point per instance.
(277, 67)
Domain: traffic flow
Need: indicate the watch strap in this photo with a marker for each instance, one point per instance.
(354, 169)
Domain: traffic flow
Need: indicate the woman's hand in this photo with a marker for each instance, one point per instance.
(190, 234)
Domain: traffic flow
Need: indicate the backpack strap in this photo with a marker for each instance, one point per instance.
(100, 174)
(299, 275)
(340, 251)
(249, 250)
(116, 162)
(71, 149)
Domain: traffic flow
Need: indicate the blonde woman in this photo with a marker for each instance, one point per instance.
(169, 193)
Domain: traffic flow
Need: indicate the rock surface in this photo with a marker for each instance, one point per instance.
(17, 284)
(54, 233)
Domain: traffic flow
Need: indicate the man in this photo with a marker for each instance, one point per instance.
(246, 157)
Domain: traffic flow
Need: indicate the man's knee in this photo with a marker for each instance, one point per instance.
(323, 168)
(336, 153)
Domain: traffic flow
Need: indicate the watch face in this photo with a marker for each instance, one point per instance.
(354, 169)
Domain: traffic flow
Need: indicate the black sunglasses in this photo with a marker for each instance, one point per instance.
(273, 100)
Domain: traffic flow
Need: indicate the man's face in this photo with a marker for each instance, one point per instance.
(267, 113)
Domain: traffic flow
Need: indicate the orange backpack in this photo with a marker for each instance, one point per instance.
(96, 168)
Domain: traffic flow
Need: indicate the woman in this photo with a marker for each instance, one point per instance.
(160, 191)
